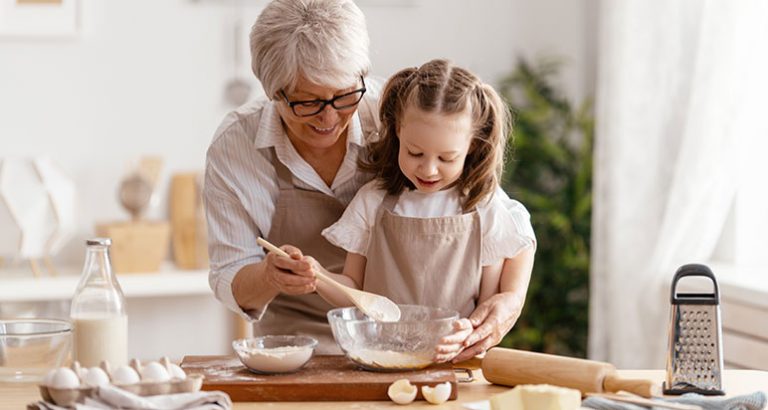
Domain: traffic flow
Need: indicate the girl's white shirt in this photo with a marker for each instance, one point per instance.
(505, 223)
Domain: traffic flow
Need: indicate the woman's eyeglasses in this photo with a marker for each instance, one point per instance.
(340, 102)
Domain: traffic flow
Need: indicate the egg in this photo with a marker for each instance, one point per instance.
(125, 375)
(402, 391)
(79, 371)
(438, 394)
(154, 371)
(64, 378)
(48, 379)
(95, 377)
(176, 372)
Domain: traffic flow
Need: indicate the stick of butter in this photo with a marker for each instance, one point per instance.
(537, 397)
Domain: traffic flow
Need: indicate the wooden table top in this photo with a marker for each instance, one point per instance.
(735, 382)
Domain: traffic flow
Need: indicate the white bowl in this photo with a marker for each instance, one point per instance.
(274, 353)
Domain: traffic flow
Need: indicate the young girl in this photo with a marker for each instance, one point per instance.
(434, 227)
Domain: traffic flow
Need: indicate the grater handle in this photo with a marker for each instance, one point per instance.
(695, 269)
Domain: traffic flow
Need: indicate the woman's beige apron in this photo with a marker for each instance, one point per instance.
(300, 216)
(425, 261)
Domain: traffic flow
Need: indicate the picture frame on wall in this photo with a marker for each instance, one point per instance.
(39, 18)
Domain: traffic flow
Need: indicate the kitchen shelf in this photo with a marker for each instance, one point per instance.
(169, 281)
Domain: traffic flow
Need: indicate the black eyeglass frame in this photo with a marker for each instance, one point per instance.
(323, 103)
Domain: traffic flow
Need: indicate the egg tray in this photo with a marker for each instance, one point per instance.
(67, 397)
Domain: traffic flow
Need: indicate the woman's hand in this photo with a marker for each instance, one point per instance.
(449, 346)
(491, 320)
(292, 276)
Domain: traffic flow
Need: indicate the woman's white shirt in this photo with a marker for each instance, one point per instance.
(505, 223)
(241, 189)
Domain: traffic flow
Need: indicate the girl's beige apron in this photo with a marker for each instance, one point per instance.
(425, 261)
(300, 216)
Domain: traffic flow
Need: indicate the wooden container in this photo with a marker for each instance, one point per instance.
(137, 246)
(189, 240)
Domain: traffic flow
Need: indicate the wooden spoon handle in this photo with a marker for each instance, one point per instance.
(272, 248)
(323, 277)
(641, 387)
(320, 275)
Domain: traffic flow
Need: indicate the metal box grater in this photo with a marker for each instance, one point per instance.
(695, 356)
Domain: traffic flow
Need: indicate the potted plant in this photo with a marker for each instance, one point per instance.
(549, 170)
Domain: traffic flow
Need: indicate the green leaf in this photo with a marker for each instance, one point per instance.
(549, 170)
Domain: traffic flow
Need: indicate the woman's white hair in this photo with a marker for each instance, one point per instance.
(325, 41)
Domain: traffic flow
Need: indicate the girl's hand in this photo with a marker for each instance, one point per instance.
(452, 344)
(292, 276)
(491, 320)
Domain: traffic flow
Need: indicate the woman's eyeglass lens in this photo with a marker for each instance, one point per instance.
(339, 102)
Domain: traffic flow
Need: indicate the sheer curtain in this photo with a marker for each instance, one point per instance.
(681, 84)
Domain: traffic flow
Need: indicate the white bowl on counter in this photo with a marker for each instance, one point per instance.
(275, 353)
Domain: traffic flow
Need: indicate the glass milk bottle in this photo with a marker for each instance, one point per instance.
(98, 311)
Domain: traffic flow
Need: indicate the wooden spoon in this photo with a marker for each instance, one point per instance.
(377, 307)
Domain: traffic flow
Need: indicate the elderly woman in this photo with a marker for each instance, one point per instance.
(285, 168)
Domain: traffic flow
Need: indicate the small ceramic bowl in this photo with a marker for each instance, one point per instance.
(275, 354)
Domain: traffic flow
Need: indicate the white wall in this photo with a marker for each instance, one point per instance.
(178, 327)
(486, 36)
(146, 77)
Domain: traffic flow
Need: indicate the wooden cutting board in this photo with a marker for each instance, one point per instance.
(323, 378)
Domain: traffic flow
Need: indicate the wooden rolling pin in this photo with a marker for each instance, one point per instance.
(511, 367)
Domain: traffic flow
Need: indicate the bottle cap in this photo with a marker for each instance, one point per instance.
(99, 241)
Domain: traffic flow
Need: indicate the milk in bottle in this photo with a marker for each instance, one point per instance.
(98, 311)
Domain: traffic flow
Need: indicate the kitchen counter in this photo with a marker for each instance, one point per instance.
(735, 382)
(158, 306)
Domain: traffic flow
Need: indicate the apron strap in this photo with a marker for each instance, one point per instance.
(284, 176)
(389, 202)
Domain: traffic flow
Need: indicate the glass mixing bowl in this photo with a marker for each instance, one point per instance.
(31, 347)
(407, 344)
